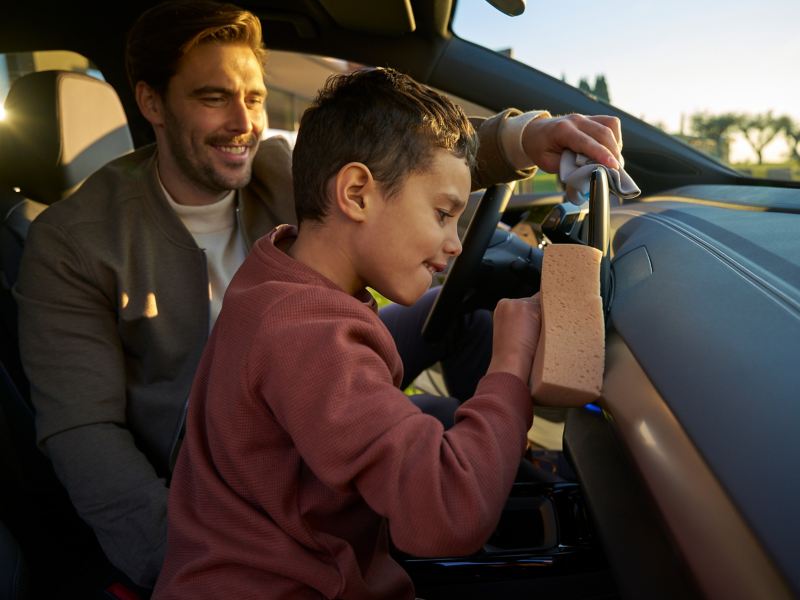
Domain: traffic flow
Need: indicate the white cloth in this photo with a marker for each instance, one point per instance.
(575, 172)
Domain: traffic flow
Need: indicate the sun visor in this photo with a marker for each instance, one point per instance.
(388, 17)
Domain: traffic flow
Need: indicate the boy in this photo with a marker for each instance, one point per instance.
(302, 456)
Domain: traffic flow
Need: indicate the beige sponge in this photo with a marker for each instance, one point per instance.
(568, 368)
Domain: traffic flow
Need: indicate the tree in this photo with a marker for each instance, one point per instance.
(759, 130)
(791, 131)
(716, 129)
(601, 88)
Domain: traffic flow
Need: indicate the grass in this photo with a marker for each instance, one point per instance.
(763, 171)
(382, 301)
(541, 183)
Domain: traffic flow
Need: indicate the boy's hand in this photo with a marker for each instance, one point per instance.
(597, 137)
(516, 335)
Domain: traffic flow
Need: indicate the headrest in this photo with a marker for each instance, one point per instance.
(59, 128)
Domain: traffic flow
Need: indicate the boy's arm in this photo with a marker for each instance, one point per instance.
(72, 355)
(442, 492)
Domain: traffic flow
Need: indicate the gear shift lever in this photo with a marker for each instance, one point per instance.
(599, 225)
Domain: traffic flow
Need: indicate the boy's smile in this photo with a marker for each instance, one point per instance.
(435, 267)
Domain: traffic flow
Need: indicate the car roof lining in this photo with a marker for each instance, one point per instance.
(391, 18)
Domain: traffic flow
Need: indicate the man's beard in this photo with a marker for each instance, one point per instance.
(203, 173)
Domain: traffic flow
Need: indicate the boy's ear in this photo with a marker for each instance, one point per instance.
(150, 103)
(354, 187)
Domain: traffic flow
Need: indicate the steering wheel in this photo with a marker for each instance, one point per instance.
(479, 232)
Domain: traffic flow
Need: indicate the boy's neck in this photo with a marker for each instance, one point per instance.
(318, 247)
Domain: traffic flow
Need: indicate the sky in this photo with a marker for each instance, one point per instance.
(661, 59)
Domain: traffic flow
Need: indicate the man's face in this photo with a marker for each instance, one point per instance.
(414, 233)
(212, 121)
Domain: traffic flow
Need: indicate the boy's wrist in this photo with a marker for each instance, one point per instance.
(511, 365)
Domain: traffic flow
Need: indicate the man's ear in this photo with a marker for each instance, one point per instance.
(354, 189)
(150, 103)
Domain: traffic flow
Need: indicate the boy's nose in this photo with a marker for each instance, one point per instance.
(452, 246)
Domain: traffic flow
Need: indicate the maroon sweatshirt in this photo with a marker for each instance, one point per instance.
(302, 458)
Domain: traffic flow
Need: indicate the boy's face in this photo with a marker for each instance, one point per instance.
(413, 234)
(213, 118)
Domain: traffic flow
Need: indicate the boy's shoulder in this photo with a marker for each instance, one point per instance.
(310, 323)
(314, 304)
(301, 298)
(287, 287)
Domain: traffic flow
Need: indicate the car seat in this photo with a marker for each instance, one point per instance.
(60, 127)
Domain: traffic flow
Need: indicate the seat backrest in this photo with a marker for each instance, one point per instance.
(60, 127)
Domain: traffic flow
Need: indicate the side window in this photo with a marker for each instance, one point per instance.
(14, 65)
(292, 82)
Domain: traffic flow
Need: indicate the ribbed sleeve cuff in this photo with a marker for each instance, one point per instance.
(511, 137)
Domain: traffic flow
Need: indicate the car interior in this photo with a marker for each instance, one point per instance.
(677, 488)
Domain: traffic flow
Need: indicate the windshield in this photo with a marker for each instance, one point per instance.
(721, 75)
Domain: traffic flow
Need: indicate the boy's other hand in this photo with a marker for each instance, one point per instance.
(516, 334)
(598, 137)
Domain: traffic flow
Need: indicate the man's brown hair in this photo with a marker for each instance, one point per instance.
(163, 34)
(378, 117)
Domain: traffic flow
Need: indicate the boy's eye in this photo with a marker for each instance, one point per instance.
(442, 215)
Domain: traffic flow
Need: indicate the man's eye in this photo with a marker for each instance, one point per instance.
(256, 101)
(213, 100)
(442, 215)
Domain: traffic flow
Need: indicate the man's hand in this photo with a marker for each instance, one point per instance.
(516, 327)
(598, 137)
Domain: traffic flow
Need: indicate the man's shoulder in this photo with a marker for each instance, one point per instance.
(275, 143)
(274, 154)
(104, 191)
(272, 168)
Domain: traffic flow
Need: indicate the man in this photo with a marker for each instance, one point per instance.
(121, 283)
